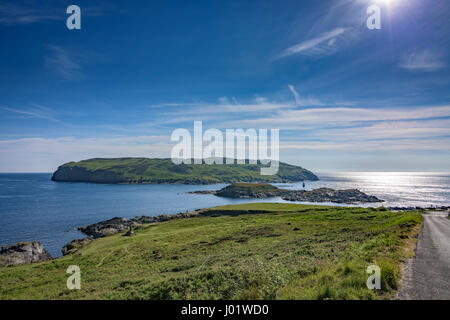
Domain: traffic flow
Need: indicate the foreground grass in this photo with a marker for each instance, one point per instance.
(252, 251)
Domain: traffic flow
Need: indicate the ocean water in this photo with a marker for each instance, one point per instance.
(34, 208)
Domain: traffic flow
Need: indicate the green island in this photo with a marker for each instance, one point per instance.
(145, 170)
(248, 251)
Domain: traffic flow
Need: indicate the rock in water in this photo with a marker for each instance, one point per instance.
(246, 190)
(23, 252)
(351, 196)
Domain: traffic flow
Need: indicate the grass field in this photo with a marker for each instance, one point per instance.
(252, 251)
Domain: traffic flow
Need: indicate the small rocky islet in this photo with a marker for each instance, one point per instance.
(265, 190)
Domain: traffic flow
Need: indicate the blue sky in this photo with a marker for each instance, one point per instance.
(344, 97)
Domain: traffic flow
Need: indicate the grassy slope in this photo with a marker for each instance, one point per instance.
(138, 170)
(248, 256)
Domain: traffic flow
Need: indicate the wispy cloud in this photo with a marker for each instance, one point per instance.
(227, 108)
(323, 44)
(314, 101)
(434, 144)
(39, 112)
(426, 60)
(295, 93)
(389, 130)
(30, 12)
(63, 62)
(174, 104)
(291, 119)
(17, 13)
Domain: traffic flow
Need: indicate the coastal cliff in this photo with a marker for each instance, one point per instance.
(159, 171)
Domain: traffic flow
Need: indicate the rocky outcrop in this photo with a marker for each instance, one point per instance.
(108, 227)
(23, 252)
(75, 245)
(350, 196)
(246, 191)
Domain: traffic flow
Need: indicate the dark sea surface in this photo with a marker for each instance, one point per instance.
(34, 208)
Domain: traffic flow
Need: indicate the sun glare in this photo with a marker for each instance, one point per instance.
(387, 2)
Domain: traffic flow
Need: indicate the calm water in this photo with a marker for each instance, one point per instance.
(34, 208)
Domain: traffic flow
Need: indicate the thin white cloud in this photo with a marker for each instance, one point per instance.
(63, 63)
(174, 104)
(324, 44)
(258, 105)
(291, 119)
(227, 108)
(12, 13)
(37, 113)
(387, 130)
(312, 101)
(426, 61)
(30, 12)
(442, 144)
(295, 93)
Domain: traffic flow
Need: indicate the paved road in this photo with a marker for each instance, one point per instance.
(427, 276)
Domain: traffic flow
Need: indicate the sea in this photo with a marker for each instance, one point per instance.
(34, 208)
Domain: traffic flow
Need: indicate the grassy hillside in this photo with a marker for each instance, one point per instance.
(252, 251)
(143, 170)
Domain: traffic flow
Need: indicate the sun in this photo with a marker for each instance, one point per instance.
(387, 2)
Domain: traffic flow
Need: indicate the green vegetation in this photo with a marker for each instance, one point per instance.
(251, 251)
(143, 170)
(250, 190)
(257, 187)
